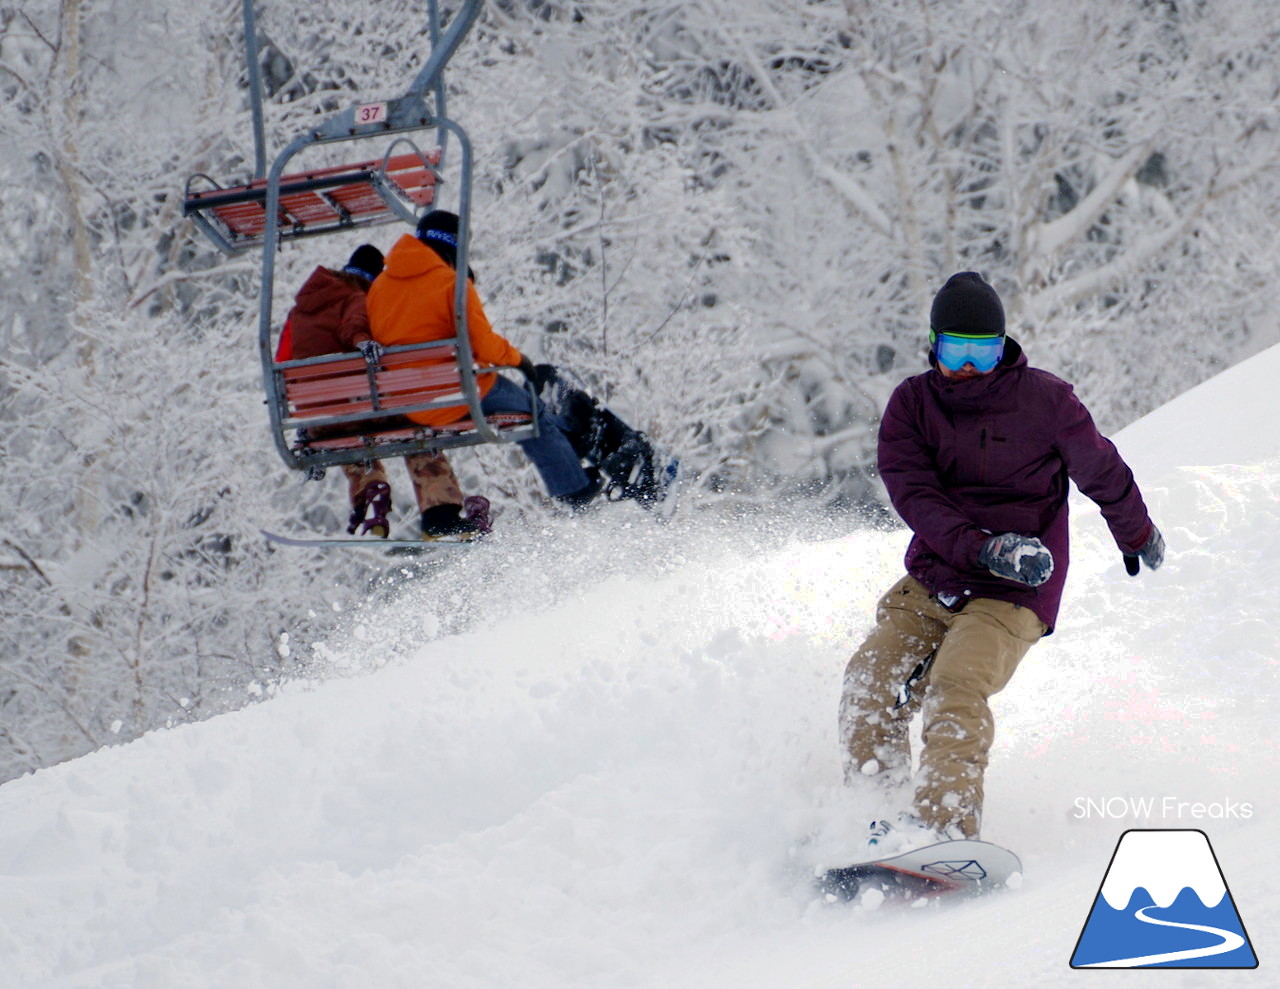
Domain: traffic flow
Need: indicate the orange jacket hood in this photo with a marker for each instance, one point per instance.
(411, 258)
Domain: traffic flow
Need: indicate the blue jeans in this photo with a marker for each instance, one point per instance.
(552, 454)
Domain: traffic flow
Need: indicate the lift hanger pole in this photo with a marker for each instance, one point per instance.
(459, 25)
(255, 90)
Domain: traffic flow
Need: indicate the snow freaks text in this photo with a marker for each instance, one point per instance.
(1167, 808)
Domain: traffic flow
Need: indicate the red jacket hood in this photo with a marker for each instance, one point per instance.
(322, 290)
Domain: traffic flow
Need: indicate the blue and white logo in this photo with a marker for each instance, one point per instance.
(1164, 904)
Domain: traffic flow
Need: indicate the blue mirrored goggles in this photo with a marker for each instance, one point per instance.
(955, 350)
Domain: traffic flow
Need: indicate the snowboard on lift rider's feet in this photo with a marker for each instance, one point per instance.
(392, 545)
(631, 467)
(964, 867)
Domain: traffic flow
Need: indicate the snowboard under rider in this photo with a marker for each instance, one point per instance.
(413, 302)
(329, 317)
(976, 455)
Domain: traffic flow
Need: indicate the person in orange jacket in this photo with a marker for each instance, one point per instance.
(329, 317)
(412, 301)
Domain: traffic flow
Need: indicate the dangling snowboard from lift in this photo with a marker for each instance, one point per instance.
(629, 465)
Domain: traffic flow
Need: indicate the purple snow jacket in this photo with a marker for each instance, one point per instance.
(964, 460)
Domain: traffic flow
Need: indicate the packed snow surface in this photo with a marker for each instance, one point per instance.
(601, 753)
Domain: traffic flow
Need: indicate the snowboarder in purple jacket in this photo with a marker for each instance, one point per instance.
(976, 455)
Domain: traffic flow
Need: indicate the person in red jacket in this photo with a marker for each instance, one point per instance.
(413, 302)
(976, 455)
(329, 316)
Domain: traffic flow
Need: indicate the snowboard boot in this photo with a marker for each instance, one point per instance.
(448, 522)
(359, 506)
(578, 501)
(377, 499)
(475, 509)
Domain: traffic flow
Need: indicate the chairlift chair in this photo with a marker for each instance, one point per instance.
(335, 409)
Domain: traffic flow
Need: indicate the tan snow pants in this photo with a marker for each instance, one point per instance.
(974, 653)
(434, 482)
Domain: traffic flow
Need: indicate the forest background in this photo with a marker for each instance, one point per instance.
(728, 216)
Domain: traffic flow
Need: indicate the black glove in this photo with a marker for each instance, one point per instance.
(371, 349)
(539, 374)
(543, 375)
(1014, 557)
(1152, 554)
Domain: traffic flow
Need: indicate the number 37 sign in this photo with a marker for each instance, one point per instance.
(371, 113)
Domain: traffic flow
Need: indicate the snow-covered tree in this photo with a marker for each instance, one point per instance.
(727, 216)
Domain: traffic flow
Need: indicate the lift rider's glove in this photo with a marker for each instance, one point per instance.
(539, 374)
(1014, 557)
(371, 349)
(1152, 553)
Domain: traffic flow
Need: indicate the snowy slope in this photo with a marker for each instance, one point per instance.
(602, 754)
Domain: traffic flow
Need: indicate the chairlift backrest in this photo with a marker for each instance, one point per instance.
(342, 410)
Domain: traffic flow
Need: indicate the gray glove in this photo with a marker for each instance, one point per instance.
(1152, 553)
(1014, 557)
(371, 349)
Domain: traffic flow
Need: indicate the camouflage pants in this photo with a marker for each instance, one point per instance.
(434, 482)
(964, 657)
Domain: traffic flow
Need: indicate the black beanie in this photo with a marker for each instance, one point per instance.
(365, 261)
(439, 226)
(439, 231)
(967, 304)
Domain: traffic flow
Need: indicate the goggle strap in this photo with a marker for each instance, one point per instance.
(933, 335)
